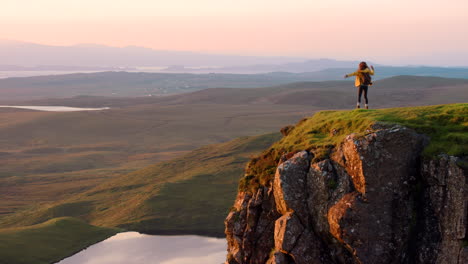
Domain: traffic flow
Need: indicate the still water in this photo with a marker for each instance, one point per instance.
(54, 108)
(136, 248)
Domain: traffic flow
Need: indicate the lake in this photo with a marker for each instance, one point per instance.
(136, 248)
(54, 108)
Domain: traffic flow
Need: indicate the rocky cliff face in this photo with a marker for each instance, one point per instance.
(375, 200)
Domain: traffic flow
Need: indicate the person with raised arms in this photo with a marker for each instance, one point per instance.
(363, 81)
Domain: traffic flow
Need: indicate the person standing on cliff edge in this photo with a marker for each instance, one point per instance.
(363, 81)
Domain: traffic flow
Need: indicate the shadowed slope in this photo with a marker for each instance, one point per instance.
(50, 241)
(188, 195)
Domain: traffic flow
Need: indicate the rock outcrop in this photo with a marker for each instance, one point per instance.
(375, 200)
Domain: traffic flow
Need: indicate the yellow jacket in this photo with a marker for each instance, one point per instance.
(359, 77)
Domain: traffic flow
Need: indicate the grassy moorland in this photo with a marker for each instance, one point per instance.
(391, 92)
(139, 84)
(188, 195)
(86, 164)
(445, 125)
(131, 84)
(50, 241)
(192, 194)
(48, 156)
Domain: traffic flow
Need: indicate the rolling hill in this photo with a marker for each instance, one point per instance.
(153, 87)
(187, 195)
(130, 84)
(50, 241)
(391, 92)
(192, 194)
(85, 164)
(48, 156)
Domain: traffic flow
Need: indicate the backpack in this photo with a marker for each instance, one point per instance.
(366, 78)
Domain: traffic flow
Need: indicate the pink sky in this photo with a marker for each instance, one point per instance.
(387, 31)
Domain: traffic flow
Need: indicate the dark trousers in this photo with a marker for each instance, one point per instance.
(363, 88)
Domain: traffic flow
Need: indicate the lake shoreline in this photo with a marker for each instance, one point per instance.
(123, 246)
(172, 232)
(53, 108)
(166, 233)
(84, 248)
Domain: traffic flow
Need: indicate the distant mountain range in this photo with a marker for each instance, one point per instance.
(23, 56)
(92, 55)
(59, 68)
(29, 56)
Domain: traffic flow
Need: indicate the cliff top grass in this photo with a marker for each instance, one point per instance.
(50, 241)
(445, 125)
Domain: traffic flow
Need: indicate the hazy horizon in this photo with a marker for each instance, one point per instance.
(395, 32)
(283, 58)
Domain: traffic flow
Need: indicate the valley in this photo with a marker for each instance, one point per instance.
(48, 156)
(164, 165)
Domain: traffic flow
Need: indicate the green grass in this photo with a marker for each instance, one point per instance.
(50, 241)
(202, 204)
(191, 194)
(46, 157)
(71, 153)
(187, 195)
(445, 125)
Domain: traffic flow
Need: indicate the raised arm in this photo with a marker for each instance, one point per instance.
(351, 74)
(369, 70)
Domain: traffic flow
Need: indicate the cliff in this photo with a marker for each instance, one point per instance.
(382, 195)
